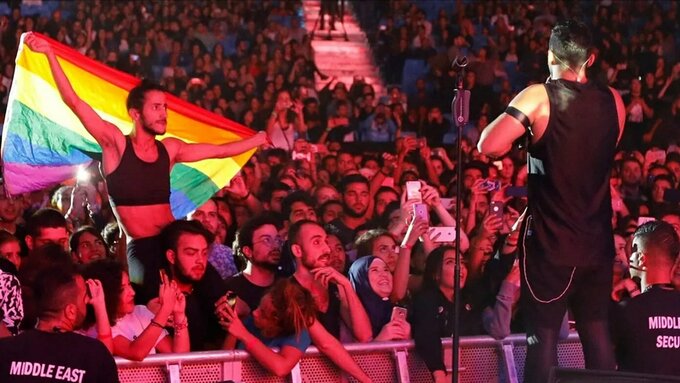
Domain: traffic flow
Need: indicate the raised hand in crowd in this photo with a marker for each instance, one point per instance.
(432, 198)
(491, 226)
(396, 329)
(97, 300)
(398, 227)
(240, 193)
(417, 230)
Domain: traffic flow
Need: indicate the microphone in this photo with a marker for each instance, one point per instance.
(460, 61)
(461, 106)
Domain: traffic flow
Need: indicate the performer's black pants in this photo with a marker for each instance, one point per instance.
(545, 298)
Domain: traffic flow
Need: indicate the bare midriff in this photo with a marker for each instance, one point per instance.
(143, 221)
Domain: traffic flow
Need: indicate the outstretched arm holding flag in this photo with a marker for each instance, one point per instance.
(140, 169)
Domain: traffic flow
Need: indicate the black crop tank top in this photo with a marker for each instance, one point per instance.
(135, 182)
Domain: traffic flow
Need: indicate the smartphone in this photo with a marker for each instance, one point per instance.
(655, 155)
(443, 234)
(643, 220)
(496, 209)
(88, 291)
(448, 203)
(491, 185)
(420, 211)
(399, 313)
(301, 156)
(516, 191)
(413, 191)
(231, 298)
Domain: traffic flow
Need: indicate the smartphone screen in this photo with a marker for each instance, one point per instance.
(399, 313)
(496, 209)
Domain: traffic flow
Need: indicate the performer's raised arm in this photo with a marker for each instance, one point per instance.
(103, 132)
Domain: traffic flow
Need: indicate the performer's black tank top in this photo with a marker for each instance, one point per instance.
(137, 183)
(569, 169)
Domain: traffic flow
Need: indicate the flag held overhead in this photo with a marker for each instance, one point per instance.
(44, 143)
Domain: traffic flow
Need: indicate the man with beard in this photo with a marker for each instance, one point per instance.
(220, 256)
(137, 167)
(259, 245)
(356, 198)
(334, 296)
(186, 251)
(52, 351)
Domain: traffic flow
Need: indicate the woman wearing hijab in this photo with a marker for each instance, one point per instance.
(372, 280)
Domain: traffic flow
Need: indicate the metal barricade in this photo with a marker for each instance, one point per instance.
(482, 359)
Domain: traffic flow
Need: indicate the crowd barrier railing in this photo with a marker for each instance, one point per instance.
(482, 359)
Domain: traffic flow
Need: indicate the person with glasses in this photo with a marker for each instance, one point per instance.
(259, 244)
(646, 328)
(87, 245)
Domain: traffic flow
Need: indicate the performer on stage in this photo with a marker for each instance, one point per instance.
(566, 243)
(137, 167)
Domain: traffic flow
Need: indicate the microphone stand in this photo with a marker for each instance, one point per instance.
(460, 107)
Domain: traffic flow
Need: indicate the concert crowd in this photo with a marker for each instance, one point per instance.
(343, 230)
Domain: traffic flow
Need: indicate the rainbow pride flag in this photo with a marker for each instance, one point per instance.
(44, 143)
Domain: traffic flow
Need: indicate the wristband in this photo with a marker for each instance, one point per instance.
(245, 197)
(104, 336)
(154, 323)
(406, 246)
(181, 326)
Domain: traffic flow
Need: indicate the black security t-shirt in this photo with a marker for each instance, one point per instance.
(38, 356)
(646, 332)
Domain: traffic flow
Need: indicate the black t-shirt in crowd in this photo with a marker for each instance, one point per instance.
(330, 319)
(646, 332)
(205, 332)
(39, 356)
(344, 233)
(246, 291)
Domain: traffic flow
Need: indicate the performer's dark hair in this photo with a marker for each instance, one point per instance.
(171, 233)
(135, 99)
(571, 41)
(661, 236)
